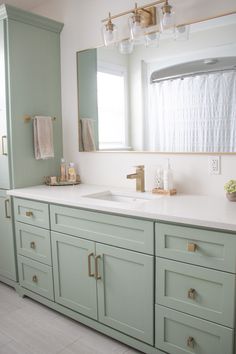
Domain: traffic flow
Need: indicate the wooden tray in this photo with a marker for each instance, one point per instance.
(164, 191)
(47, 181)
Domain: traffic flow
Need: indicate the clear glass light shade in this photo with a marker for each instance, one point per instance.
(167, 24)
(136, 29)
(152, 39)
(182, 33)
(126, 46)
(109, 34)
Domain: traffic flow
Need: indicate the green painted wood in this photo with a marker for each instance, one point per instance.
(114, 230)
(4, 159)
(7, 246)
(39, 210)
(33, 76)
(212, 301)
(174, 328)
(74, 288)
(125, 291)
(28, 269)
(33, 242)
(11, 12)
(215, 249)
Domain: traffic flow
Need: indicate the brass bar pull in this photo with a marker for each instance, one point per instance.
(190, 342)
(33, 245)
(192, 247)
(29, 213)
(192, 293)
(97, 276)
(3, 145)
(89, 265)
(35, 278)
(7, 206)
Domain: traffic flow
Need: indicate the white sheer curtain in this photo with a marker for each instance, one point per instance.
(194, 114)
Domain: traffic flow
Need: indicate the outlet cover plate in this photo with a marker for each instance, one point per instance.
(214, 165)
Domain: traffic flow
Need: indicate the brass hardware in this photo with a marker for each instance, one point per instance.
(89, 265)
(35, 278)
(97, 276)
(192, 247)
(190, 342)
(27, 118)
(139, 176)
(29, 213)
(192, 293)
(166, 8)
(33, 245)
(3, 145)
(7, 206)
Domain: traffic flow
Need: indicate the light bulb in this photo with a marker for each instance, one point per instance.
(168, 18)
(109, 32)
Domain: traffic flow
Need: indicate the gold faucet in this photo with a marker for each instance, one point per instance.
(139, 176)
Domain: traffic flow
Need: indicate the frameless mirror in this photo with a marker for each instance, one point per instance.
(177, 97)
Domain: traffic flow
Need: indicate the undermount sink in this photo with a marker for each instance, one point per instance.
(122, 198)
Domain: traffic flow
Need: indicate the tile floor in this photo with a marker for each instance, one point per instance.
(27, 327)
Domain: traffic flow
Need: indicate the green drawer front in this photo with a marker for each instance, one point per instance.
(36, 277)
(128, 233)
(178, 333)
(33, 242)
(211, 249)
(33, 213)
(195, 290)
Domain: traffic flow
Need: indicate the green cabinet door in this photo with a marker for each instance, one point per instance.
(7, 247)
(73, 267)
(125, 291)
(4, 162)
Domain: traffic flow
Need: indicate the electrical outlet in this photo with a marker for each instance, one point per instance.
(214, 165)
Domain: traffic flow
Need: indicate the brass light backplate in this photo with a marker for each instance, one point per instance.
(148, 16)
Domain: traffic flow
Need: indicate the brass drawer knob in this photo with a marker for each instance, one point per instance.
(33, 245)
(190, 342)
(29, 213)
(35, 278)
(192, 247)
(192, 293)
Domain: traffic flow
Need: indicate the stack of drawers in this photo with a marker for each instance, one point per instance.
(195, 290)
(34, 246)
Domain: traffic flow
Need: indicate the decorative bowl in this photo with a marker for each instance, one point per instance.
(231, 196)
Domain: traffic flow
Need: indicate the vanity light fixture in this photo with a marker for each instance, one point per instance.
(168, 18)
(109, 32)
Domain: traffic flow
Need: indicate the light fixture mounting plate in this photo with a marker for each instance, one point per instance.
(148, 16)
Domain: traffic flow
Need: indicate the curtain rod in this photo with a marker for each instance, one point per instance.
(153, 81)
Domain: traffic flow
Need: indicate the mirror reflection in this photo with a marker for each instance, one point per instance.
(179, 96)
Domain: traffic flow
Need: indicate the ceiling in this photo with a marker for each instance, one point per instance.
(24, 4)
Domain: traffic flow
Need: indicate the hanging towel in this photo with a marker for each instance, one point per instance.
(87, 134)
(43, 138)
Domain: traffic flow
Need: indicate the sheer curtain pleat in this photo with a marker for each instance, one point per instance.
(194, 114)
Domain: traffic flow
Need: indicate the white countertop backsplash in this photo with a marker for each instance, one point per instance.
(206, 211)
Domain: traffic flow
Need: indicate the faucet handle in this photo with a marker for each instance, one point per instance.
(140, 167)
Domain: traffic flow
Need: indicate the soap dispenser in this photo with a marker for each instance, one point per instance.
(168, 177)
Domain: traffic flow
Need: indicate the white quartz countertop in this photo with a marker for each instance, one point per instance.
(206, 211)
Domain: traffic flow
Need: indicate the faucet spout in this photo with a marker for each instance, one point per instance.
(139, 176)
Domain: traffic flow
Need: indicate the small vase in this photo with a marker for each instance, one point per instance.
(231, 196)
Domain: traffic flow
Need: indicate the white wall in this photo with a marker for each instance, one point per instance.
(82, 21)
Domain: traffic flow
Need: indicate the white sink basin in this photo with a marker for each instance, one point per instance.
(122, 198)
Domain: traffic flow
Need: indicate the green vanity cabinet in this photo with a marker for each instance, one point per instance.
(106, 283)
(7, 246)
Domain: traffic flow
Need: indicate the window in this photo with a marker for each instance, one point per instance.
(112, 107)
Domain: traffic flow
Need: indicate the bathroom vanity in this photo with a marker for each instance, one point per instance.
(157, 273)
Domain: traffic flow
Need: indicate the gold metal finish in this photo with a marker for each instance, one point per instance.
(192, 293)
(89, 265)
(35, 278)
(190, 342)
(97, 276)
(4, 137)
(139, 176)
(29, 213)
(7, 206)
(109, 25)
(166, 8)
(27, 118)
(33, 245)
(192, 247)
